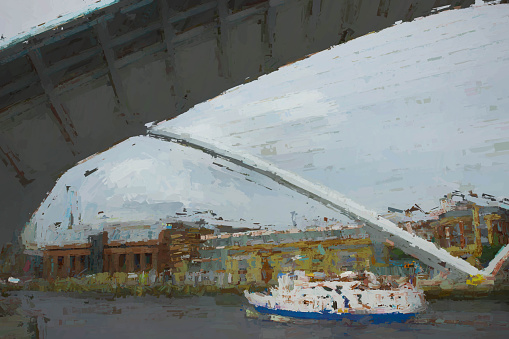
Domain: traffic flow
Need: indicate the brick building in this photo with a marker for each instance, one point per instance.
(102, 254)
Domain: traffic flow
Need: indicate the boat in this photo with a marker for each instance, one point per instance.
(352, 296)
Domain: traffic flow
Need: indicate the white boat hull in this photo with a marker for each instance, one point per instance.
(338, 300)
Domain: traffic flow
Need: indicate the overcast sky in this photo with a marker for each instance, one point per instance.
(20, 16)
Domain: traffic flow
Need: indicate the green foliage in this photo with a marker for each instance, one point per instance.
(397, 254)
(488, 253)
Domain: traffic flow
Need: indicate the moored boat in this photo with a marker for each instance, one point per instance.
(346, 298)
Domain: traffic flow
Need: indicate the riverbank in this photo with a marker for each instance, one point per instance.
(120, 285)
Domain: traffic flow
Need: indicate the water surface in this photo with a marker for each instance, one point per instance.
(56, 315)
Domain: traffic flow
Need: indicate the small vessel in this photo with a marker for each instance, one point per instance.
(345, 298)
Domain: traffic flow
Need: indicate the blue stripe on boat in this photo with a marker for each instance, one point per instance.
(373, 318)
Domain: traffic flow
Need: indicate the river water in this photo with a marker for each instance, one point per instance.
(56, 315)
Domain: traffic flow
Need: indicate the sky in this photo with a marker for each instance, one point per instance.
(23, 16)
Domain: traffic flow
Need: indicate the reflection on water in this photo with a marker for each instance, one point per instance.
(52, 315)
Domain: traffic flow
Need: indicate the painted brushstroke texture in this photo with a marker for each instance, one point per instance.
(394, 118)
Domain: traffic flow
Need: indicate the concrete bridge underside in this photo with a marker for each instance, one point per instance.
(75, 90)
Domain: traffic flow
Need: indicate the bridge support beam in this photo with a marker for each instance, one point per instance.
(10, 158)
(313, 19)
(115, 79)
(224, 37)
(60, 116)
(169, 35)
(270, 29)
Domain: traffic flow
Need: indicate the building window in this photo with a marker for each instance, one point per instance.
(148, 260)
(137, 262)
(106, 264)
(82, 263)
(73, 265)
(60, 261)
(121, 262)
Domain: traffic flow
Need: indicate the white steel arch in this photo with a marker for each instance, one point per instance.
(425, 251)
